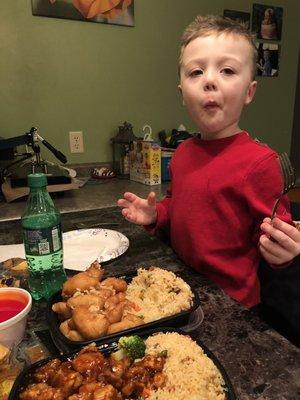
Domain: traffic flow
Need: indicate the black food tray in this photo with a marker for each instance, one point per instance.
(106, 348)
(64, 344)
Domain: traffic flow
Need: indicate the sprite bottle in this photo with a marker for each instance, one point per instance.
(42, 240)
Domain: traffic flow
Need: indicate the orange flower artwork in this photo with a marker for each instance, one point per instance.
(119, 12)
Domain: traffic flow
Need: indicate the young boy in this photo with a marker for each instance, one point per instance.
(223, 183)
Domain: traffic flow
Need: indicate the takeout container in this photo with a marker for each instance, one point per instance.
(65, 344)
(12, 330)
(109, 346)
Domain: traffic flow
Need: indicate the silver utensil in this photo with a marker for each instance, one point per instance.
(289, 179)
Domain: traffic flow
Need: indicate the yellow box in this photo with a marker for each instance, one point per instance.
(145, 162)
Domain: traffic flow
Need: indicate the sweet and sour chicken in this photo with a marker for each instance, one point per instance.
(93, 376)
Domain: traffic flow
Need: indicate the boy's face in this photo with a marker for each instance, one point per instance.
(216, 82)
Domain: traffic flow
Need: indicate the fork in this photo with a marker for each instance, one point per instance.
(289, 179)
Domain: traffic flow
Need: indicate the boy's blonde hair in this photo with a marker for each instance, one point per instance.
(206, 25)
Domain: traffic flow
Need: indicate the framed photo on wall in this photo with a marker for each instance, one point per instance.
(239, 16)
(267, 59)
(267, 21)
(116, 12)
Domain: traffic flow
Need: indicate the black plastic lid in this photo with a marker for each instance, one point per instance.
(37, 180)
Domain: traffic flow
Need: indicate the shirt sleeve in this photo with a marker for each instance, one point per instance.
(263, 185)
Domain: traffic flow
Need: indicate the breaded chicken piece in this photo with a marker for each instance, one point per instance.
(129, 321)
(89, 322)
(119, 285)
(86, 300)
(83, 280)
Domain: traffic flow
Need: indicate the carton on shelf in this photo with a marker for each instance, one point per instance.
(145, 162)
(166, 155)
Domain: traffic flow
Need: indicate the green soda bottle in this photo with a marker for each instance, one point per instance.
(42, 240)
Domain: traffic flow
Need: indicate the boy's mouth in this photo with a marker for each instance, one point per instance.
(211, 105)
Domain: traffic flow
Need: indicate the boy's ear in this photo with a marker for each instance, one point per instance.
(250, 92)
(180, 91)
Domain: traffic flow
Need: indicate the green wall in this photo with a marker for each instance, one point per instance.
(62, 75)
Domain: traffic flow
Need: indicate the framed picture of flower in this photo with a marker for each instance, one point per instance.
(117, 12)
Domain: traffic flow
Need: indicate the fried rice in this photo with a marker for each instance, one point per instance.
(159, 293)
(190, 374)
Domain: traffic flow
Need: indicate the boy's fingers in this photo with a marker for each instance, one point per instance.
(284, 241)
(282, 231)
(270, 258)
(288, 229)
(123, 203)
(151, 199)
(128, 215)
(266, 244)
(130, 196)
(267, 219)
(272, 230)
(272, 247)
(267, 256)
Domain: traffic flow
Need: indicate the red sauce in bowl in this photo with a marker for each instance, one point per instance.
(11, 303)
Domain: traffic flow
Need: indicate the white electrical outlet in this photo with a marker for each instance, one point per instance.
(76, 142)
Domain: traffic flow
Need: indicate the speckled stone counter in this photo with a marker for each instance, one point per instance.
(260, 363)
(93, 195)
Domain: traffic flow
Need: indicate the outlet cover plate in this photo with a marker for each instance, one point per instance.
(76, 142)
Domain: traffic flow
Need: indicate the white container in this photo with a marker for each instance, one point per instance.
(12, 330)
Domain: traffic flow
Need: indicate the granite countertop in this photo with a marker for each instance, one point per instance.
(93, 195)
(260, 363)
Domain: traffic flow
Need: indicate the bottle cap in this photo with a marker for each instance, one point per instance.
(37, 180)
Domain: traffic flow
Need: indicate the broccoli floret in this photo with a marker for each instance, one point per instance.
(133, 346)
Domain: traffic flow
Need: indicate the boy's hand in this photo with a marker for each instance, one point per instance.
(280, 242)
(137, 210)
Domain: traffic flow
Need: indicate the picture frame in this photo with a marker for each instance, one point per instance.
(115, 12)
(267, 22)
(239, 16)
(267, 59)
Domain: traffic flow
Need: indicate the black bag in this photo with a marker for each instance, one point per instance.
(174, 140)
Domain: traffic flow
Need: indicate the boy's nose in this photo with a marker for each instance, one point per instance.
(209, 81)
(209, 86)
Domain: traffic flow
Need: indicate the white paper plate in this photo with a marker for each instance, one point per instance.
(84, 246)
(81, 247)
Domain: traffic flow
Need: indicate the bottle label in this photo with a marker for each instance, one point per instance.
(39, 242)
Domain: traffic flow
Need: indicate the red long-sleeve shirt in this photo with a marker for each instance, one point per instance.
(219, 194)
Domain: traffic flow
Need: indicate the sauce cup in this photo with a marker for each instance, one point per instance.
(15, 304)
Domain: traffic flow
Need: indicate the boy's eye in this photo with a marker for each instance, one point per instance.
(196, 72)
(227, 71)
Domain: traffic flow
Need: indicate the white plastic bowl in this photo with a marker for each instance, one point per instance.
(12, 330)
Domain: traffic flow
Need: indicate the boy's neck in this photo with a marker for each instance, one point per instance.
(227, 132)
